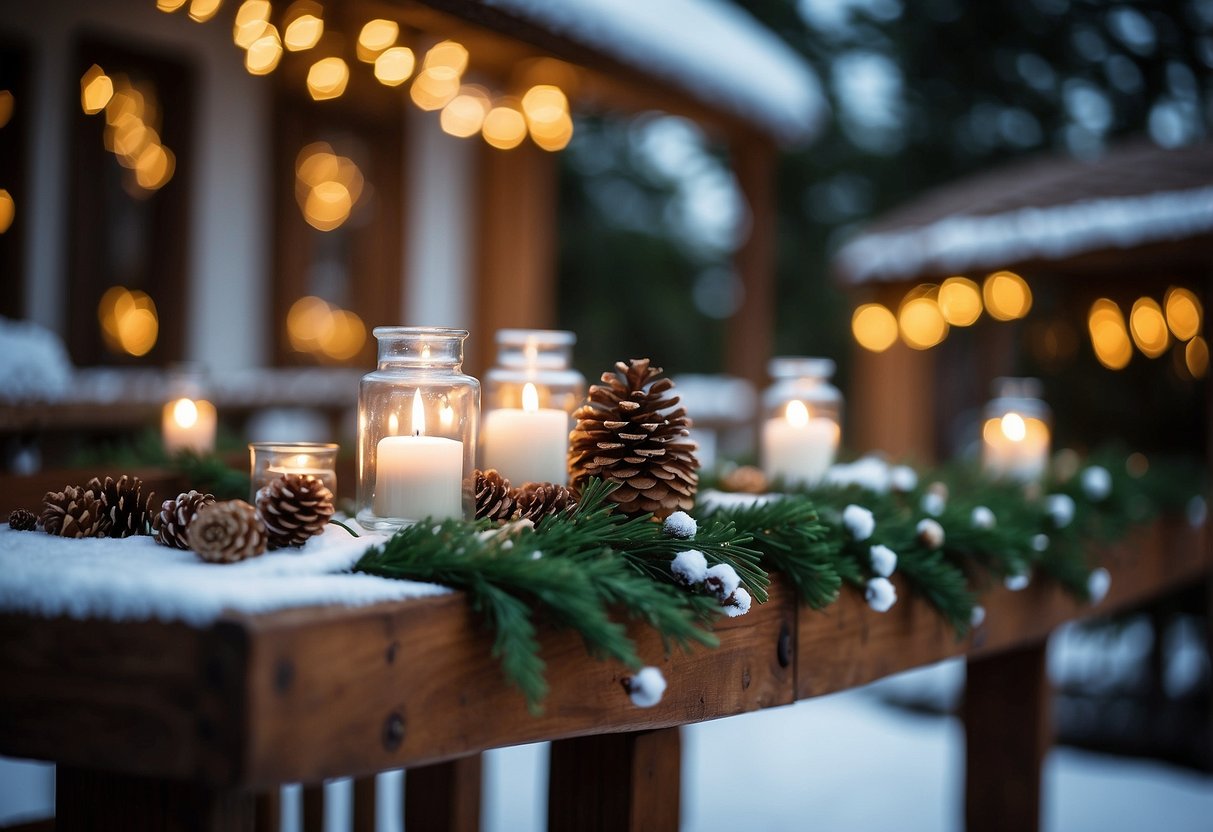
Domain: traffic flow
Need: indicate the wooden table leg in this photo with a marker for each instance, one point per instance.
(444, 797)
(100, 802)
(616, 782)
(1007, 734)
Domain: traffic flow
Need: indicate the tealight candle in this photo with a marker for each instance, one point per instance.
(418, 476)
(527, 444)
(1015, 433)
(797, 448)
(186, 424)
(273, 459)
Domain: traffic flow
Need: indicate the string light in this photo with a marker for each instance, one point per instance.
(1109, 337)
(96, 90)
(464, 115)
(8, 210)
(874, 327)
(304, 25)
(394, 65)
(920, 320)
(1007, 296)
(252, 19)
(264, 53)
(1149, 328)
(1184, 313)
(327, 78)
(504, 127)
(203, 10)
(960, 301)
(6, 107)
(376, 36)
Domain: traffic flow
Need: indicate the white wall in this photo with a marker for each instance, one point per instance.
(229, 253)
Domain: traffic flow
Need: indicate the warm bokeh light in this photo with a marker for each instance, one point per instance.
(203, 10)
(327, 186)
(327, 78)
(394, 65)
(96, 90)
(1196, 356)
(554, 135)
(315, 326)
(327, 206)
(960, 301)
(8, 210)
(344, 338)
(6, 107)
(433, 88)
(155, 167)
(129, 323)
(921, 322)
(796, 413)
(376, 36)
(1109, 336)
(450, 54)
(264, 53)
(1184, 313)
(169, 5)
(1149, 327)
(1007, 296)
(544, 103)
(464, 115)
(252, 19)
(504, 127)
(874, 327)
(304, 25)
(1013, 427)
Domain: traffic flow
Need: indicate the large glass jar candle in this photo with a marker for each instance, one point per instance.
(530, 397)
(803, 421)
(270, 460)
(1016, 431)
(417, 425)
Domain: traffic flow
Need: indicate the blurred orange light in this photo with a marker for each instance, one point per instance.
(96, 90)
(6, 107)
(376, 36)
(1149, 328)
(394, 65)
(464, 115)
(128, 321)
(1007, 296)
(252, 19)
(921, 322)
(327, 206)
(327, 78)
(449, 54)
(504, 127)
(264, 53)
(874, 327)
(1196, 356)
(960, 301)
(154, 167)
(8, 210)
(169, 5)
(344, 338)
(203, 10)
(1184, 313)
(1109, 337)
(433, 88)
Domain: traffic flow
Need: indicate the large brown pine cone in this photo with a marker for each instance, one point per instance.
(227, 532)
(173, 521)
(129, 512)
(537, 500)
(494, 496)
(74, 512)
(294, 507)
(22, 520)
(629, 432)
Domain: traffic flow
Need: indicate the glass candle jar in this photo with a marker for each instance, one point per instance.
(417, 425)
(530, 397)
(803, 421)
(1016, 431)
(188, 421)
(269, 460)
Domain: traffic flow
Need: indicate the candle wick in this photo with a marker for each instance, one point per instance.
(416, 433)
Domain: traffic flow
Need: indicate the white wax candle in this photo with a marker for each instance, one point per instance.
(188, 424)
(418, 477)
(797, 449)
(530, 444)
(1015, 448)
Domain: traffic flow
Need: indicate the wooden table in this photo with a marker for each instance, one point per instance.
(163, 726)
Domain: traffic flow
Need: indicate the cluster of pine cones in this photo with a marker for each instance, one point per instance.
(291, 509)
(497, 500)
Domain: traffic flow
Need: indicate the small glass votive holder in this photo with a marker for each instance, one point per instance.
(269, 460)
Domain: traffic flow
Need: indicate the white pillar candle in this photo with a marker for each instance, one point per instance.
(527, 444)
(186, 424)
(797, 448)
(418, 476)
(1015, 447)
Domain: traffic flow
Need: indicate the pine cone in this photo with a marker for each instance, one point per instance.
(129, 512)
(537, 500)
(173, 521)
(627, 434)
(226, 532)
(22, 520)
(293, 508)
(74, 512)
(746, 479)
(494, 496)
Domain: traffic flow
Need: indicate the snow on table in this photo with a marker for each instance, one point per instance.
(136, 579)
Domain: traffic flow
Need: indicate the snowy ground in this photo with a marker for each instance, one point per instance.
(844, 762)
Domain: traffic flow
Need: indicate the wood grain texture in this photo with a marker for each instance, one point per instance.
(1007, 734)
(97, 801)
(444, 797)
(848, 644)
(616, 782)
(418, 685)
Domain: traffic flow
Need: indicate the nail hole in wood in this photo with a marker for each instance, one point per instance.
(783, 647)
(393, 731)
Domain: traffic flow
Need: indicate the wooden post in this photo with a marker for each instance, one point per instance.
(751, 331)
(99, 802)
(616, 782)
(1007, 733)
(364, 804)
(444, 797)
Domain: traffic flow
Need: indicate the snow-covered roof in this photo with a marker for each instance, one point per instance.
(1044, 210)
(712, 49)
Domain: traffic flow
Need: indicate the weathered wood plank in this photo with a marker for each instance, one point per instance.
(444, 797)
(98, 801)
(1007, 734)
(608, 782)
(418, 685)
(848, 644)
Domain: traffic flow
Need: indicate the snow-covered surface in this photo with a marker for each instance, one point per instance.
(960, 243)
(136, 579)
(33, 362)
(711, 48)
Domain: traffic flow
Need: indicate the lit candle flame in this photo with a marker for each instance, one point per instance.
(418, 414)
(1014, 427)
(797, 414)
(530, 398)
(301, 460)
(185, 413)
